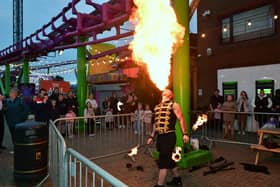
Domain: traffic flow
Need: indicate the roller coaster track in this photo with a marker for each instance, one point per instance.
(67, 35)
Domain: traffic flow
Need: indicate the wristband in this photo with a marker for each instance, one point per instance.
(185, 134)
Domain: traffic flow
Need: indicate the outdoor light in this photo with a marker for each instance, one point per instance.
(203, 35)
(249, 23)
(60, 52)
(225, 29)
(275, 16)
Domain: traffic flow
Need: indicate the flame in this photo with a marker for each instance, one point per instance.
(157, 35)
(200, 121)
(177, 155)
(133, 151)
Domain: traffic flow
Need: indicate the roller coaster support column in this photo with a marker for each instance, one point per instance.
(81, 78)
(25, 70)
(7, 78)
(181, 68)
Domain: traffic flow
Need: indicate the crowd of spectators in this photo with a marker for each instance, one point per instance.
(224, 112)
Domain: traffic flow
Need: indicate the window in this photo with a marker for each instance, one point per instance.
(250, 24)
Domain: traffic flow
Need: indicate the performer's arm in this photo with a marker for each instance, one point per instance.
(179, 114)
(152, 136)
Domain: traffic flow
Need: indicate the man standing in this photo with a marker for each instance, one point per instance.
(16, 111)
(166, 114)
(1, 123)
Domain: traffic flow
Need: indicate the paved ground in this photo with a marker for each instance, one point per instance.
(135, 178)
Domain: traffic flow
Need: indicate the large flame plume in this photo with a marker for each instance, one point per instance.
(157, 35)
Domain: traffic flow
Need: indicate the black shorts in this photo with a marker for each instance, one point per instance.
(165, 146)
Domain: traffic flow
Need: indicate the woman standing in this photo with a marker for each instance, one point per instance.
(229, 107)
(242, 106)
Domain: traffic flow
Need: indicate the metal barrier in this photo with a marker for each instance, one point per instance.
(244, 126)
(57, 149)
(106, 135)
(103, 135)
(83, 172)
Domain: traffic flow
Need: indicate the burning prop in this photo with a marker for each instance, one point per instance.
(133, 152)
(177, 154)
(200, 121)
(157, 36)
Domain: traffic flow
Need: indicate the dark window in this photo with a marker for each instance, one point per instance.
(249, 24)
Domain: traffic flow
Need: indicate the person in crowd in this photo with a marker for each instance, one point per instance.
(215, 99)
(16, 111)
(42, 108)
(276, 102)
(229, 107)
(139, 114)
(261, 104)
(62, 106)
(89, 120)
(41, 95)
(72, 102)
(134, 103)
(148, 114)
(54, 112)
(70, 122)
(93, 102)
(109, 119)
(114, 102)
(55, 94)
(105, 104)
(2, 125)
(218, 116)
(242, 106)
(166, 114)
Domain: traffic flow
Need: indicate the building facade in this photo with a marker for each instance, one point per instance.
(235, 34)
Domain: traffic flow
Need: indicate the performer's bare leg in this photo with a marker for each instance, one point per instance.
(175, 172)
(161, 176)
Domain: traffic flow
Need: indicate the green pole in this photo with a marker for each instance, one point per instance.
(25, 70)
(2, 87)
(181, 70)
(81, 78)
(7, 78)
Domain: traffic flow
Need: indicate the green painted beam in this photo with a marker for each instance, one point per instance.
(81, 78)
(25, 70)
(7, 78)
(2, 87)
(181, 71)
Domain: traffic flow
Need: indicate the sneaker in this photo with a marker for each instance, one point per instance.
(239, 132)
(11, 152)
(135, 132)
(123, 126)
(243, 133)
(176, 181)
(91, 134)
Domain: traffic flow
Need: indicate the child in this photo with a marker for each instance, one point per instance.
(138, 118)
(148, 119)
(70, 122)
(109, 119)
(229, 106)
(89, 114)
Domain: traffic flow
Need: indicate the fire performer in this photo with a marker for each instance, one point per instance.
(166, 114)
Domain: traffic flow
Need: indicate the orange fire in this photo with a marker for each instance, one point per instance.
(157, 35)
(200, 121)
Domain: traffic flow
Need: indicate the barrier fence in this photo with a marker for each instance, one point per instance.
(98, 136)
(64, 163)
(241, 128)
(106, 135)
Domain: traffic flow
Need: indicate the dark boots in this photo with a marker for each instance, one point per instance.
(176, 181)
